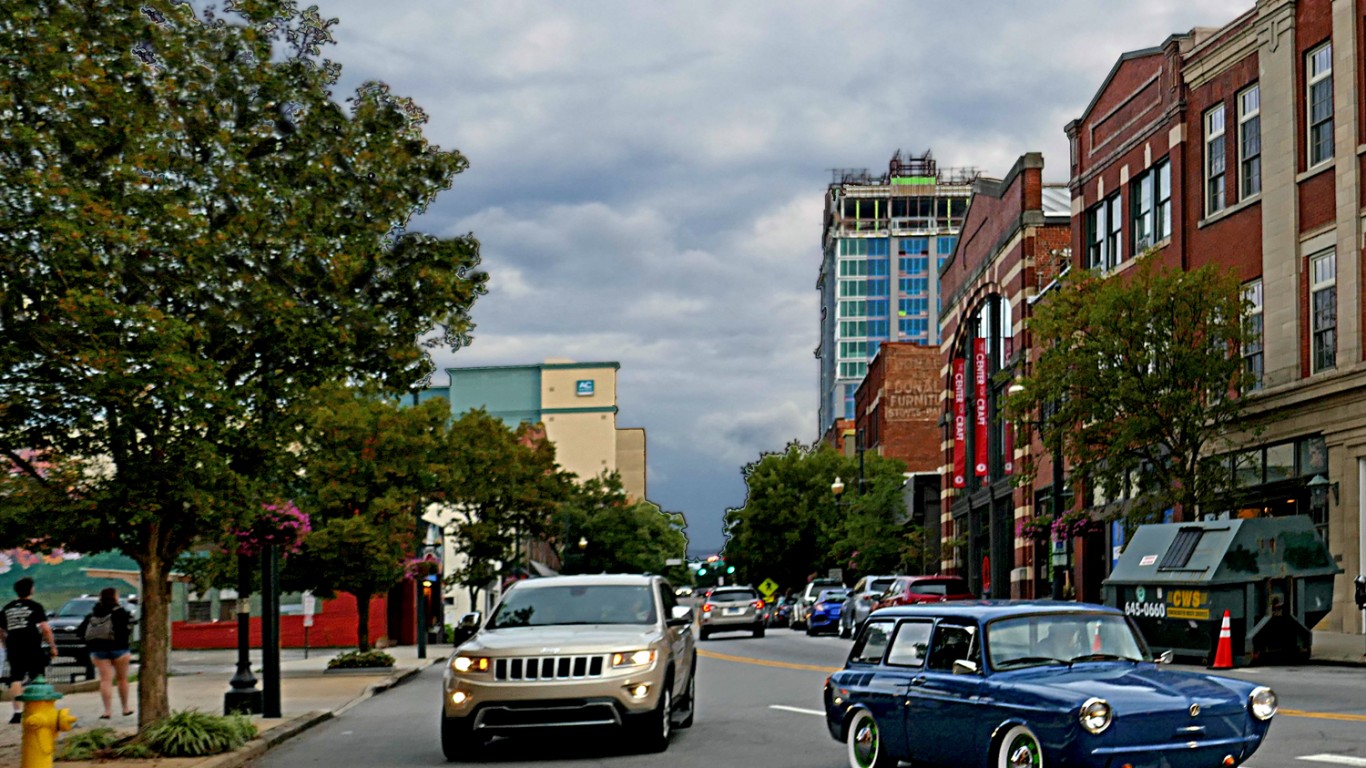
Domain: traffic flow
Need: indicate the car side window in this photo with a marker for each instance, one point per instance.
(952, 642)
(666, 595)
(910, 643)
(872, 642)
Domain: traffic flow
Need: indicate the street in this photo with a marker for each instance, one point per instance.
(759, 704)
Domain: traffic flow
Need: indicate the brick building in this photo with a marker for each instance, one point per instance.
(1241, 146)
(1013, 243)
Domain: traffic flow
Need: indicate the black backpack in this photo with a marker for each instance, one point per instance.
(99, 628)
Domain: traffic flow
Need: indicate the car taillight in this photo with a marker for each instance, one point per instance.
(758, 603)
(706, 607)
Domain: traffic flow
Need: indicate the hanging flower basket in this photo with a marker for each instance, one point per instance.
(1073, 524)
(282, 525)
(418, 567)
(1038, 528)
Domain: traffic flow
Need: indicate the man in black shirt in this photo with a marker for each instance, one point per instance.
(21, 622)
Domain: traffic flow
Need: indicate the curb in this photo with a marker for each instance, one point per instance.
(262, 744)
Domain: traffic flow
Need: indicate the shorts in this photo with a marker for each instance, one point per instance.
(24, 667)
(109, 655)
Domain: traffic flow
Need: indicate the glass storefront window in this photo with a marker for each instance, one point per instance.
(1280, 462)
(1247, 468)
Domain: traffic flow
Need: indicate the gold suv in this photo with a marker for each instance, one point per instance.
(573, 651)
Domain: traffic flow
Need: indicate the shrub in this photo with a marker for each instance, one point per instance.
(192, 733)
(87, 745)
(359, 659)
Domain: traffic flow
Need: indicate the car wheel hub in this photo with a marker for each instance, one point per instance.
(1023, 755)
(865, 743)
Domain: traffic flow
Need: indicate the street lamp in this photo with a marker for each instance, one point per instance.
(837, 488)
(1059, 574)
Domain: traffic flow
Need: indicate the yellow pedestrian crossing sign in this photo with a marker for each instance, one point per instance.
(768, 588)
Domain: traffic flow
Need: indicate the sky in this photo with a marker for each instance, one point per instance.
(646, 178)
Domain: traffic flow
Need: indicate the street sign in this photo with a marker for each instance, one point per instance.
(768, 588)
(674, 561)
(310, 602)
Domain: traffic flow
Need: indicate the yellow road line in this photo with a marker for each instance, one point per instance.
(828, 670)
(766, 662)
(1323, 715)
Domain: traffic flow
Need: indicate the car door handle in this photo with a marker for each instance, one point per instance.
(918, 680)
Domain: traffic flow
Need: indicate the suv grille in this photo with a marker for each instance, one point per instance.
(548, 668)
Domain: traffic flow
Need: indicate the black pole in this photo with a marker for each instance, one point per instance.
(1059, 572)
(243, 696)
(270, 632)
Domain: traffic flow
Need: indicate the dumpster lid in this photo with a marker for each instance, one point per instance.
(1224, 551)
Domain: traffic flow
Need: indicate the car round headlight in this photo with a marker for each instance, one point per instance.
(1096, 715)
(1262, 702)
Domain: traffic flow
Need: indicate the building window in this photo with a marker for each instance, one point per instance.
(877, 329)
(1324, 310)
(1215, 160)
(1102, 234)
(1253, 356)
(1150, 202)
(1319, 90)
(1249, 142)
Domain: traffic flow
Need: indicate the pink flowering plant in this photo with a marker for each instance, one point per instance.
(1073, 524)
(426, 565)
(282, 524)
(1037, 528)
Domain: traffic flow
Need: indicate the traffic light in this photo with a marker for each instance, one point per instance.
(730, 569)
(702, 571)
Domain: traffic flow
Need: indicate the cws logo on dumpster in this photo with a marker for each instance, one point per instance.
(1169, 604)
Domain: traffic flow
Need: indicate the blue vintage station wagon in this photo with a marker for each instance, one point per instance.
(1010, 684)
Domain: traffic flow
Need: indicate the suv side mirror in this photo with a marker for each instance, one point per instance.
(470, 620)
(682, 616)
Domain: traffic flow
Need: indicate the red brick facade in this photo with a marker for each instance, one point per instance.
(897, 405)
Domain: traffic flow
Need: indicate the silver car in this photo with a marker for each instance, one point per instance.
(573, 651)
(732, 609)
(862, 599)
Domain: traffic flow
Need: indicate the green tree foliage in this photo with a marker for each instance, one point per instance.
(505, 489)
(791, 527)
(1139, 381)
(621, 535)
(196, 234)
(369, 467)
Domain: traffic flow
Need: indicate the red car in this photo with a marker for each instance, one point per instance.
(909, 590)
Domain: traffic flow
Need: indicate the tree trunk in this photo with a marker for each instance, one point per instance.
(363, 621)
(154, 601)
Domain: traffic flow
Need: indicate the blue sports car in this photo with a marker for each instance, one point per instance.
(825, 614)
(1010, 684)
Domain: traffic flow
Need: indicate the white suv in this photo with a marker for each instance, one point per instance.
(573, 651)
(862, 599)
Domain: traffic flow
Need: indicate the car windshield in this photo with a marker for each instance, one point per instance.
(78, 607)
(832, 596)
(1062, 638)
(880, 585)
(734, 596)
(940, 587)
(577, 604)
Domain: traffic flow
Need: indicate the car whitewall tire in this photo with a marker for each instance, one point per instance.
(863, 743)
(1019, 749)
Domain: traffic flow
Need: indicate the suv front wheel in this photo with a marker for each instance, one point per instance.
(457, 742)
(653, 729)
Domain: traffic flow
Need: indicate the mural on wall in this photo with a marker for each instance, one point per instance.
(60, 575)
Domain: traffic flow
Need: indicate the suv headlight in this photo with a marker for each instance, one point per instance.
(1096, 715)
(632, 659)
(1262, 702)
(470, 664)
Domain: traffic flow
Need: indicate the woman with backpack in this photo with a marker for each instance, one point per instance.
(106, 632)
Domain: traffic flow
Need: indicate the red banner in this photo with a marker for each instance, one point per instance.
(960, 423)
(979, 369)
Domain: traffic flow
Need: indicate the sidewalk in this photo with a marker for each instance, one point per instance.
(1338, 648)
(308, 696)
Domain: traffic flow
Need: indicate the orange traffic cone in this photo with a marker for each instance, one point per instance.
(1095, 639)
(1223, 652)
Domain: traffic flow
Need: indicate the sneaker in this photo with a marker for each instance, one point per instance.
(16, 718)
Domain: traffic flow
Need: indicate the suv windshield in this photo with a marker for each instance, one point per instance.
(734, 596)
(595, 604)
(77, 607)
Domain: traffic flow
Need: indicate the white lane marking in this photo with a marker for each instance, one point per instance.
(801, 711)
(1335, 759)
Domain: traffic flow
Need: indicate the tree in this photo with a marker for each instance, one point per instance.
(505, 489)
(1140, 382)
(791, 525)
(621, 535)
(196, 235)
(368, 468)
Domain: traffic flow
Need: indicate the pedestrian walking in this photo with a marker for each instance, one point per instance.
(106, 632)
(23, 626)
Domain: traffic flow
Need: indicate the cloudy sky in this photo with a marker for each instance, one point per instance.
(646, 177)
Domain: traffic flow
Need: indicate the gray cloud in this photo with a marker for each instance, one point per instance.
(646, 178)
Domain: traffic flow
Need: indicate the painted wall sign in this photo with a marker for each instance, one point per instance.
(960, 422)
(584, 387)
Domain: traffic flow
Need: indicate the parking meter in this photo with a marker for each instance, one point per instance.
(1360, 584)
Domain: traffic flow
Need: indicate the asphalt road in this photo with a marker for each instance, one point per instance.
(759, 706)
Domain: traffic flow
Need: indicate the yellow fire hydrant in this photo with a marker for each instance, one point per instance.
(42, 720)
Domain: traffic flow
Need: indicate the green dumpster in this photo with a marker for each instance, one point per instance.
(1273, 575)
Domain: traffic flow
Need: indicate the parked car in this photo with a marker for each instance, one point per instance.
(781, 615)
(808, 599)
(732, 609)
(619, 647)
(862, 600)
(67, 619)
(1000, 683)
(911, 590)
(825, 612)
